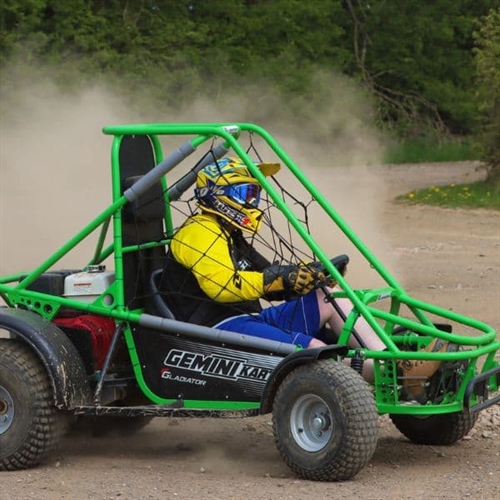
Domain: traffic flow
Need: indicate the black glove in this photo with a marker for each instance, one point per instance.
(340, 262)
(292, 279)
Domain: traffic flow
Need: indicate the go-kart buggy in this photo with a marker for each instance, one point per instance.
(97, 344)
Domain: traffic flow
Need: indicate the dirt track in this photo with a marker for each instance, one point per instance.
(449, 257)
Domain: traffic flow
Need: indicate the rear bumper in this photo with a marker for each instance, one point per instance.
(479, 386)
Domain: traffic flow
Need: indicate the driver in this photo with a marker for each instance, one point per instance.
(214, 277)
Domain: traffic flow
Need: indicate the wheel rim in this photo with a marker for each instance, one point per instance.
(311, 423)
(6, 410)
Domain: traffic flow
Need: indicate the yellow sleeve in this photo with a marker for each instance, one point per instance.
(202, 246)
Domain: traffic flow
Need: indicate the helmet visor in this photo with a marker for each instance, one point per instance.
(246, 194)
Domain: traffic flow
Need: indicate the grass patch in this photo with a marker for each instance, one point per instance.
(475, 195)
(429, 151)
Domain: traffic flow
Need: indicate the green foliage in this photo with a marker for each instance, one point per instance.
(425, 150)
(487, 57)
(414, 58)
(475, 195)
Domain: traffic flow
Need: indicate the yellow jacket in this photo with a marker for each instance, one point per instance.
(210, 273)
(204, 247)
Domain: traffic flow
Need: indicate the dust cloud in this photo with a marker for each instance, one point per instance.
(55, 168)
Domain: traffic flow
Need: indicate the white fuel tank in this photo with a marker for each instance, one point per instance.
(89, 284)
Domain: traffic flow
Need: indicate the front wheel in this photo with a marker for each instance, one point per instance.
(443, 429)
(30, 425)
(325, 421)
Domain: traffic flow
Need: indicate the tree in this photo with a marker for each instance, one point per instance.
(487, 57)
(416, 59)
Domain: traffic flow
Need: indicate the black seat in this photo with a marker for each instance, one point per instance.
(142, 220)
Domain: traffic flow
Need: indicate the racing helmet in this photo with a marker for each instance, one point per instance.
(228, 189)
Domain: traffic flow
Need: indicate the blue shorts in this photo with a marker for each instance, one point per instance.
(295, 322)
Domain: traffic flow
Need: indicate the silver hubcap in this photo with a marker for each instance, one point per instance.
(311, 423)
(6, 410)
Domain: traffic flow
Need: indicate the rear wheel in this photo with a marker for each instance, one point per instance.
(440, 429)
(444, 429)
(30, 425)
(325, 421)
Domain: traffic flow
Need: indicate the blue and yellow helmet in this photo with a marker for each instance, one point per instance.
(228, 189)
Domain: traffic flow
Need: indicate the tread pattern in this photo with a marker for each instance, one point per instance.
(439, 430)
(357, 429)
(46, 425)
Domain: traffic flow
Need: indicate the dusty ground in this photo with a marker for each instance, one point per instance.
(451, 258)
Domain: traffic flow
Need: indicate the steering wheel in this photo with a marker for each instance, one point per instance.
(340, 262)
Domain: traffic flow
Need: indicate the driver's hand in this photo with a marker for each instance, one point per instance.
(292, 279)
(323, 280)
(327, 279)
(305, 278)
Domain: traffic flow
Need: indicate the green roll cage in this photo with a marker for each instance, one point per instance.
(480, 377)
